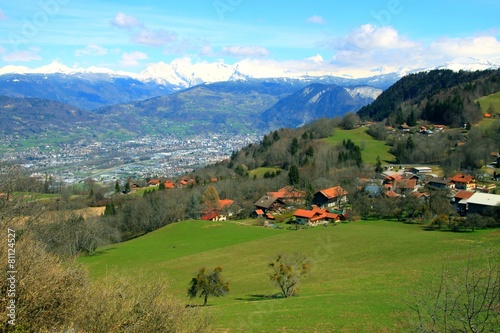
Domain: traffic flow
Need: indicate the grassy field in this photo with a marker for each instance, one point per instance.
(259, 172)
(361, 275)
(486, 101)
(370, 147)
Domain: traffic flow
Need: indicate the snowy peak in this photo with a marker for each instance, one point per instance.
(471, 64)
(184, 73)
(364, 92)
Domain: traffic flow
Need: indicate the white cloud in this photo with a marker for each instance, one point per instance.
(157, 37)
(206, 51)
(24, 56)
(317, 59)
(245, 51)
(482, 46)
(371, 37)
(124, 21)
(91, 50)
(132, 59)
(316, 19)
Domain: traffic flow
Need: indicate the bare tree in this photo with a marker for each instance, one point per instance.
(287, 272)
(459, 299)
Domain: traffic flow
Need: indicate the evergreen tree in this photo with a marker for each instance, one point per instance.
(294, 147)
(117, 187)
(378, 165)
(412, 119)
(293, 175)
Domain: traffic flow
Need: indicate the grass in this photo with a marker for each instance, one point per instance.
(370, 147)
(486, 101)
(361, 276)
(260, 172)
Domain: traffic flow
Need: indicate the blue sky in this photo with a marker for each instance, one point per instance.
(312, 36)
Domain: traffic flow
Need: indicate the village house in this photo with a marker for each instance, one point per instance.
(154, 182)
(223, 213)
(480, 203)
(268, 205)
(289, 195)
(440, 183)
(463, 182)
(316, 216)
(331, 197)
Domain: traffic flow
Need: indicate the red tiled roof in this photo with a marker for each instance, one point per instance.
(391, 194)
(333, 192)
(154, 182)
(462, 178)
(287, 192)
(406, 183)
(169, 184)
(463, 195)
(210, 216)
(259, 212)
(225, 203)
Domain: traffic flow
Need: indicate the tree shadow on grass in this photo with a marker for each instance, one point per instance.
(260, 297)
(101, 252)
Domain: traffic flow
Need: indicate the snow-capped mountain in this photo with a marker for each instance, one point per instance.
(94, 87)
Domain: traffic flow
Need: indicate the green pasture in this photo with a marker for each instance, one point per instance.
(361, 273)
(259, 172)
(486, 101)
(370, 148)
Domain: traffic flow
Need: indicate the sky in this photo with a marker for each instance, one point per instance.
(314, 37)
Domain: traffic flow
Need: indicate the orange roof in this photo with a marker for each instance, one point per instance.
(225, 203)
(316, 214)
(406, 183)
(463, 195)
(391, 194)
(259, 212)
(169, 184)
(154, 182)
(288, 192)
(487, 115)
(462, 178)
(334, 192)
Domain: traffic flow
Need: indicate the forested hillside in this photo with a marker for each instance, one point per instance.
(439, 96)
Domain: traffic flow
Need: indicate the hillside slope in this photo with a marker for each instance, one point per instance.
(440, 96)
(318, 101)
(27, 116)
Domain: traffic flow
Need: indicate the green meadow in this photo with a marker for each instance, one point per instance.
(486, 101)
(360, 279)
(370, 148)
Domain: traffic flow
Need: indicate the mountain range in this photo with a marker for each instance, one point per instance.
(180, 100)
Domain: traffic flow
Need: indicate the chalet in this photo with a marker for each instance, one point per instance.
(404, 127)
(463, 182)
(481, 203)
(289, 195)
(221, 214)
(269, 204)
(461, 199)
(461, 195)
(186, 182)
(440, 183)
(405, 186)
(154, 182)
(169, 185)
(439, 128)
(330, 197)
(315, 216)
